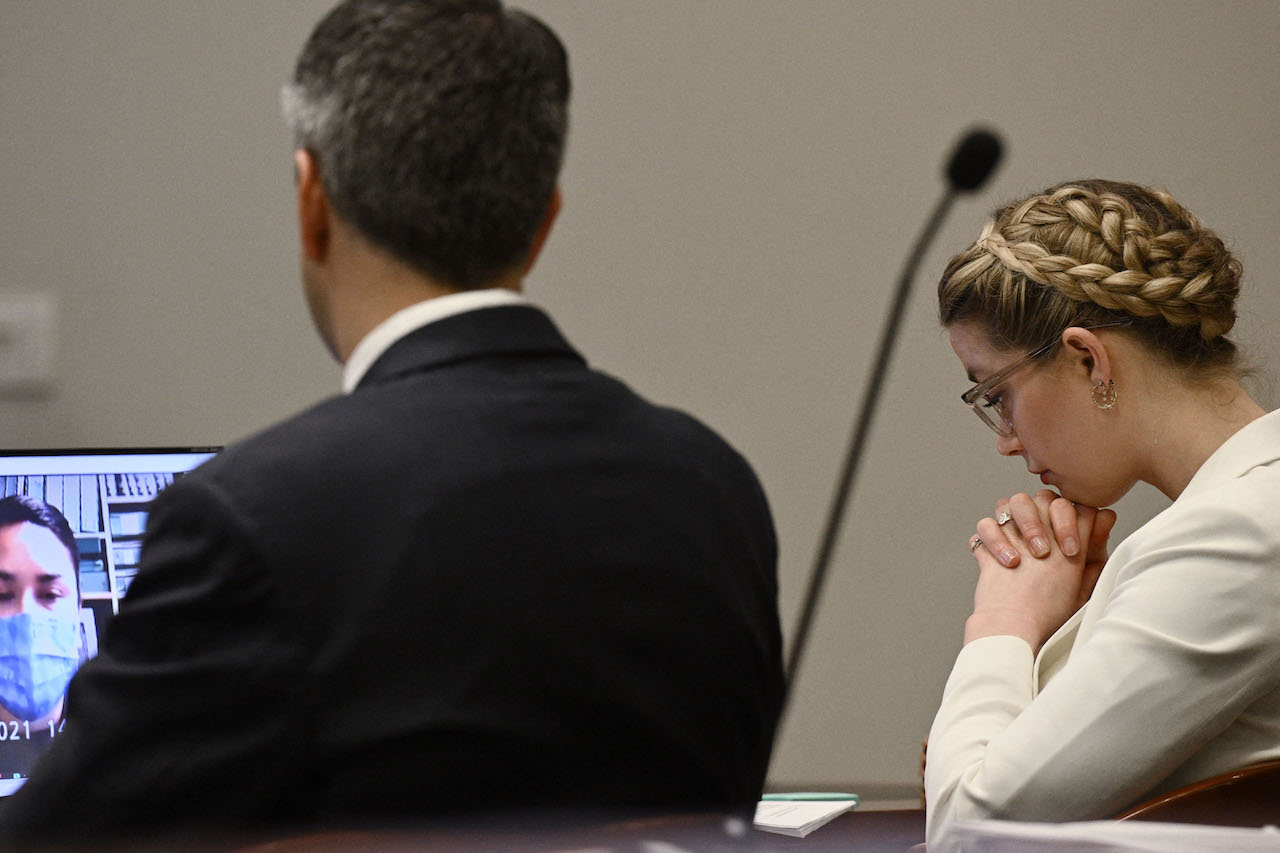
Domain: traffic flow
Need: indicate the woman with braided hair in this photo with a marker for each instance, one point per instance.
(1094, 319)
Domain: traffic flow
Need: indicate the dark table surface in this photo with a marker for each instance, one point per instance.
(892, 831)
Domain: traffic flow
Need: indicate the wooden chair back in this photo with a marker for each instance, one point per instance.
(1249, 796)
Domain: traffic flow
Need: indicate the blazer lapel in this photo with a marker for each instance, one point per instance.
(1055, 651)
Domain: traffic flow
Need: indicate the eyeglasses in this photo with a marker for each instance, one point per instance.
(990, 410)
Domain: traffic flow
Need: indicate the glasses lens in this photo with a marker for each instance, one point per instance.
(1003, 425)
(991, 411)
(992, 415)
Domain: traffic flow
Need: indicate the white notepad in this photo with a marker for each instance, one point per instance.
(798, 817)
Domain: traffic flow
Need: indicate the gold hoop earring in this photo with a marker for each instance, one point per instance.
(1103, 394)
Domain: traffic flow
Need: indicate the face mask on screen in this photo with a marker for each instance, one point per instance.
(38, 655)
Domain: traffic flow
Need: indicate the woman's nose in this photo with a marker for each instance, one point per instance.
(1008, 445)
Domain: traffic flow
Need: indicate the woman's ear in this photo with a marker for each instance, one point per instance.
(1087, 353)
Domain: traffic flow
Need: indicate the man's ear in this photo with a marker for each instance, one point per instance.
(313, 207)
(1088, 353)
(544, 228)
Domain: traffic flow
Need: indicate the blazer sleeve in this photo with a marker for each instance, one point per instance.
(1188, 639)
(187, 709)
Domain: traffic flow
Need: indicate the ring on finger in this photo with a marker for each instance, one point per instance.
(1003, 517)
(973, 546)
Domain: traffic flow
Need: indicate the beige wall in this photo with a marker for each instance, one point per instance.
(743, 180)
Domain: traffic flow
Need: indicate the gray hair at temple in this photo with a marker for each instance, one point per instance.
(439, 128)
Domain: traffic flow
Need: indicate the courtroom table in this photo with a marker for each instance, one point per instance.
(890, 831)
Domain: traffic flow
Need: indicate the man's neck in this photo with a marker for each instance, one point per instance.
(369, 285)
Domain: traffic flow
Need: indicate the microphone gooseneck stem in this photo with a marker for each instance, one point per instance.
(844, 486)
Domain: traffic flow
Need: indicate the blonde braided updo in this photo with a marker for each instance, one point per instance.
(1091, 252)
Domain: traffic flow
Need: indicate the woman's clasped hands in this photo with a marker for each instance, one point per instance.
(1038, 561)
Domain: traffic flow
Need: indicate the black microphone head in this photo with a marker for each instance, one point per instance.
(974, 160)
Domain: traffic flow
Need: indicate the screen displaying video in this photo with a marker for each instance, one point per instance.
(71, 530)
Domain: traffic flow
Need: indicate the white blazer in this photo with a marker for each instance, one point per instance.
(1169, 674)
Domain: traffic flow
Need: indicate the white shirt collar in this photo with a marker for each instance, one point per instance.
(406, 320)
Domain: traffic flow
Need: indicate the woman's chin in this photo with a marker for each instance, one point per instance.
(1094, 497)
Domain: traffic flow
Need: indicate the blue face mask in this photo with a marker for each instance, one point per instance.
(38, 655)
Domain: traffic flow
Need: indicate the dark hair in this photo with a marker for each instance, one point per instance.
(16, 509)
(1093, 252)
(439, 127)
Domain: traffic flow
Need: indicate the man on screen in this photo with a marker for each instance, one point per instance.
(486, 577)
(40, 639)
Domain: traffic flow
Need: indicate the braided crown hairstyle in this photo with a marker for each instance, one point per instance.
(1091, 252)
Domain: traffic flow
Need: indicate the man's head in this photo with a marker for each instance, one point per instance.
(437, 128)
(40, 638)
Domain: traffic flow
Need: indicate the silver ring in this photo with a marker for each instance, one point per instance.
(1003, 517)
(973, 546)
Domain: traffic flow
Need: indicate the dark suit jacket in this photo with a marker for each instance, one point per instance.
(489, 578)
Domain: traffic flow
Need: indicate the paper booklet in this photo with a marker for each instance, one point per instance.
(799, 817)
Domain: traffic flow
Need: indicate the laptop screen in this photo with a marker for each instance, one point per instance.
(71, 524)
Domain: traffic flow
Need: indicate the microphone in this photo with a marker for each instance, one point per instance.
(974, 159)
